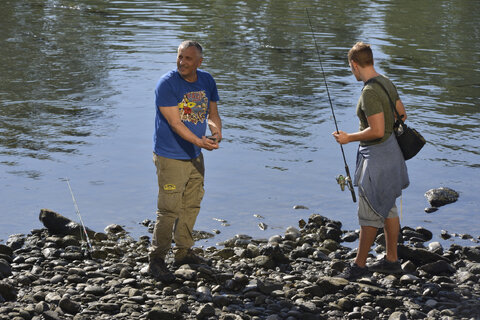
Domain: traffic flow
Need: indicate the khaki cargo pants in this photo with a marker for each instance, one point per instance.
(180, 191)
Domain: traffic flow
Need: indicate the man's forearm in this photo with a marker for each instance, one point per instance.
(180, 129)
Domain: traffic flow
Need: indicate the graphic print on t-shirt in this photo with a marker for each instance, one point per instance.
(193, 107)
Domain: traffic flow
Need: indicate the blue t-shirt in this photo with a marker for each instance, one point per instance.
(193, 101)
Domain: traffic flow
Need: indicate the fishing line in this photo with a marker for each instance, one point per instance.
(89, 246)
(340, 179)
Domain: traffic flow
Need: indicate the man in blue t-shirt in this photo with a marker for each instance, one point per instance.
(185, 102)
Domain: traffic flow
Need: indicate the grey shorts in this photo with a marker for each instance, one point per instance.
(369, 218)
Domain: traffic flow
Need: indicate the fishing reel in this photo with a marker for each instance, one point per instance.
(342, 181)
(87, 253)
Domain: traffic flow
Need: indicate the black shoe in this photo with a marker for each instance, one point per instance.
(158, 269)
(190, 258)
(385, 266)
(353, 272)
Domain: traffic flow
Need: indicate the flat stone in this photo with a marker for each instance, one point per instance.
(186, 274)
(438, 268)
(95, 290)
(69, 306)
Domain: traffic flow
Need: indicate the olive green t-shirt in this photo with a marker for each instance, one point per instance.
(374, 100)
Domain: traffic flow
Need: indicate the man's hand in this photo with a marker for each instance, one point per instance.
(216, 136)
(207, 144)
(341, 137)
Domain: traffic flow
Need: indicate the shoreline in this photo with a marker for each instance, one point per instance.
(289, 276)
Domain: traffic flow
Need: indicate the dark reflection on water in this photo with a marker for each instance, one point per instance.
(76, 97)
(439, 61)
(53, 62)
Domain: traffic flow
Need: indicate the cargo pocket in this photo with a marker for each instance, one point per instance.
(169, 201)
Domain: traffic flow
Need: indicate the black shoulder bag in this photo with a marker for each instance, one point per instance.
(409, 139)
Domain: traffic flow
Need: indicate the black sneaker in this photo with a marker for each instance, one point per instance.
(385, 266)
(190, 258)
(353, 272)
(158, 269)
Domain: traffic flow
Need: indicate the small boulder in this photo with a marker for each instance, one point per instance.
(114, 228)
(6, 250)
(441, 196)
(69, 306)
(7, 291)
(439, 267)
(5, 269)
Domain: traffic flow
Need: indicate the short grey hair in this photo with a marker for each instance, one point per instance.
(190, 43)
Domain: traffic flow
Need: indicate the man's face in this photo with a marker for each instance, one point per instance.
(188, 60)
(354, 69)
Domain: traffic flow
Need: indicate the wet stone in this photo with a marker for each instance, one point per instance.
(207, 310)
(95, 290)
(441, 196)
(69, 306)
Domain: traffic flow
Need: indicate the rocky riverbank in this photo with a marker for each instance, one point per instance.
(47, 275)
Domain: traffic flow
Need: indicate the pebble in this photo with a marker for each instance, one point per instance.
(430, 209)
(300, 207)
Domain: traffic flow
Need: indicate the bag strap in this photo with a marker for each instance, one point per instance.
(373, 80)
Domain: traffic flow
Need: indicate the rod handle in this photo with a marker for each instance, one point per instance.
(350, 184)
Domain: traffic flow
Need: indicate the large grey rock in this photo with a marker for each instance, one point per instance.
(438, 268)
(419, 256)
(441, 196)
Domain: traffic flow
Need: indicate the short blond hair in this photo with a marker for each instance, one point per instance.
(361, 53)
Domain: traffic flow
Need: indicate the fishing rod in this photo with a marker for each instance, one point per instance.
(89, 245)
(341, 180)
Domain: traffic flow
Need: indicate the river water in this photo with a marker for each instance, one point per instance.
(76, 101)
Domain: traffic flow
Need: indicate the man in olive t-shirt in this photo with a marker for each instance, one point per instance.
(381, 172)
